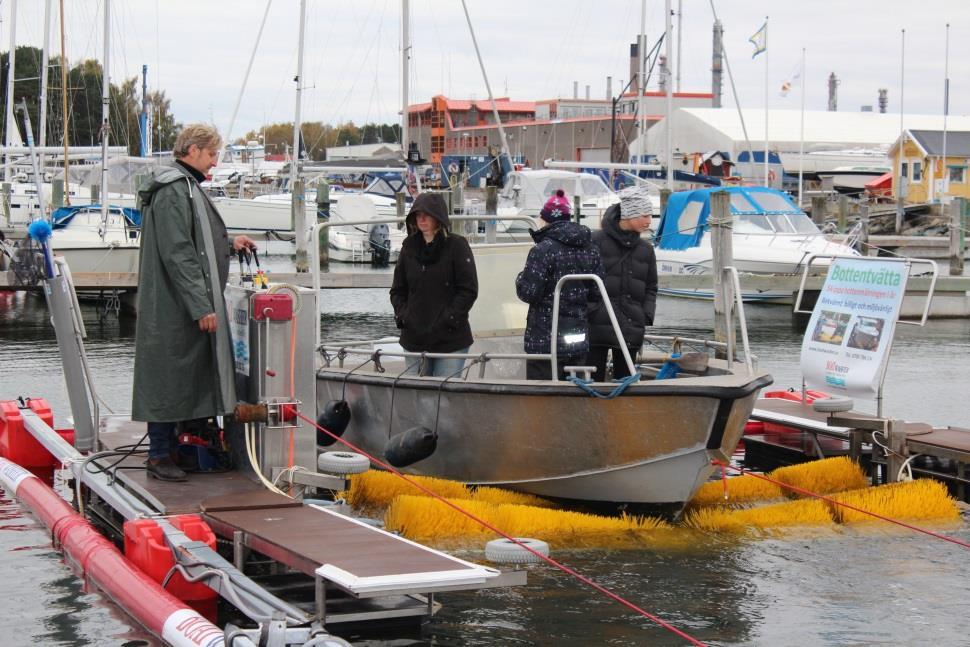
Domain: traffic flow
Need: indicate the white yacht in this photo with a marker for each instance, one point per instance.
(770, 236)
(525, 193)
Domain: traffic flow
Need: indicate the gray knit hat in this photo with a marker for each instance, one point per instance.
(634, 202)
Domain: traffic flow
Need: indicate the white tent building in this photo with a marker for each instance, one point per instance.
(832, 139)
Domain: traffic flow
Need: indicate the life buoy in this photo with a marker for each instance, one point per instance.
(342, 463)
(508, 552)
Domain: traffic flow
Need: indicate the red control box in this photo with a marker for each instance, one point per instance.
(272, 306)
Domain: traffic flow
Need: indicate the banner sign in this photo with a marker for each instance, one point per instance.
(846, 344)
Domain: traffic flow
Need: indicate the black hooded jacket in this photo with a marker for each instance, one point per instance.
(435, 284)
(561, 248)
(630, 267)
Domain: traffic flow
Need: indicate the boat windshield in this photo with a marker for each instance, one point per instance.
(774, 223)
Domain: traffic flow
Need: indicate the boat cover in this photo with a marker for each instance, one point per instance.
(685, 219)
(64, 215)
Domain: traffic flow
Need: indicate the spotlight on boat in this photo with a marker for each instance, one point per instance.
(334, 418)
(411, 446)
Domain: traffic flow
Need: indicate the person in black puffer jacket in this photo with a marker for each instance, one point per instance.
(631, 281)
(435, 285)
(562, 247)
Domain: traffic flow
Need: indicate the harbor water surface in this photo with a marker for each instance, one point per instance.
(849, 586)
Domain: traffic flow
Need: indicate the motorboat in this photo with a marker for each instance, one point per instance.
(770, 236)
(271, 212)
(378, 243)
(525, 193)
(853, 179)
(91, 243)
(647, 449)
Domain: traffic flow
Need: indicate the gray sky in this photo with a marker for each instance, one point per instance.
(197, 51)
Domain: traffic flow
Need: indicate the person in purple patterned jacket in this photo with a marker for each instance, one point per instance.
(562, 247)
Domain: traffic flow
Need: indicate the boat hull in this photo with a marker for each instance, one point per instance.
(651, 447)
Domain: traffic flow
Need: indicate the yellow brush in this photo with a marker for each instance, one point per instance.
(810, 512)
(821, 477)
(428, 520)
(912, 500)
(376, 489)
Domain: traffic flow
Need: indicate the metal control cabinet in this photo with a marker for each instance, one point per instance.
(275, 362)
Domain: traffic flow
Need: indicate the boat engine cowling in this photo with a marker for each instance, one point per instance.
(379, 238)
(411, 446)
(334, 418)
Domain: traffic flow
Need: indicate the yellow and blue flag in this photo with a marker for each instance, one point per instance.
(760, 40)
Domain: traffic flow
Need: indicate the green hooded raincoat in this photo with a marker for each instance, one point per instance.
(181, 372)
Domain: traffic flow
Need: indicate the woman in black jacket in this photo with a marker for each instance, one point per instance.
(435, 285)
(631, 282)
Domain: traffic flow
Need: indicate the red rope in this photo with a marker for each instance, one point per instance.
(485, 524)
(795, 488)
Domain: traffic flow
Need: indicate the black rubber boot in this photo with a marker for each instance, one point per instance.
(164, 469)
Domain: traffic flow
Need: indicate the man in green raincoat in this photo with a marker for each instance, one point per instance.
(183, 349)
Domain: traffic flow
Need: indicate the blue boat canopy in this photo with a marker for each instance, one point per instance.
(685, 219)
(64, 215)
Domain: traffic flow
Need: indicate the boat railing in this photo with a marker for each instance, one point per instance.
(554, 344)
(338, 352)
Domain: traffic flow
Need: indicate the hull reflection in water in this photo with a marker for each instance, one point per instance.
(648, 449)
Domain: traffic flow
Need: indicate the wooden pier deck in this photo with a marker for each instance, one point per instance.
(795, 432)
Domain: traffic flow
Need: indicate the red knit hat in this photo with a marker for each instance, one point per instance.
(556, 208)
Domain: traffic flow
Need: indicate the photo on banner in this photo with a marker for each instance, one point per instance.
(846, 346)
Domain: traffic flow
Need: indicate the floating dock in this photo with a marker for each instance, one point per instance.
(336, 568)
(795, 432)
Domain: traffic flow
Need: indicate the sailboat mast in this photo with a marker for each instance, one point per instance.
(42, 97)
(296, 189)
(405, 60)
(11, 65)
(105, 101)
(67, 177)
(669, 90)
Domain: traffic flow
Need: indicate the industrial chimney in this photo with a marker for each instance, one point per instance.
(717, 63)
(833, 92)
(883, 100)
(609, 88)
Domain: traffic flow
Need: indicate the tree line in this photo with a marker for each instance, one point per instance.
(84, 112)
(317, 137)
(84, 104)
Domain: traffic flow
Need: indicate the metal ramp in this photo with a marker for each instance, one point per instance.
(390, 577)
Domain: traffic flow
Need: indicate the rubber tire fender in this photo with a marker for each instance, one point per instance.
(342, 463)
(503, 551)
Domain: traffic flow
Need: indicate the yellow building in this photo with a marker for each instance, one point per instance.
(918, 166)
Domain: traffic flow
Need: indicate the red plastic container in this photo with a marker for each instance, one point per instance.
(146, 548)
(18, 445)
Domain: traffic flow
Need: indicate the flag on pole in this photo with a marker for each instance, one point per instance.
(786, 86)
(760, 40)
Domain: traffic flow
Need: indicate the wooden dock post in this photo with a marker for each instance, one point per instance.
(956, 237)
(577, 204)
(323, 215)
(57, 193)
(818, 209)
(863, 244)
(5, 191)
(664, 198)
(843, 216)
(722, 227)
(95, 193)
(491, 208)
(900, 214)
(298, 221)
(897, 454)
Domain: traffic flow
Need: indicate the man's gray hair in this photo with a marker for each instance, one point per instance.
(201, 135)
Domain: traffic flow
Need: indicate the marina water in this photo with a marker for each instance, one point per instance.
(849, 586)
